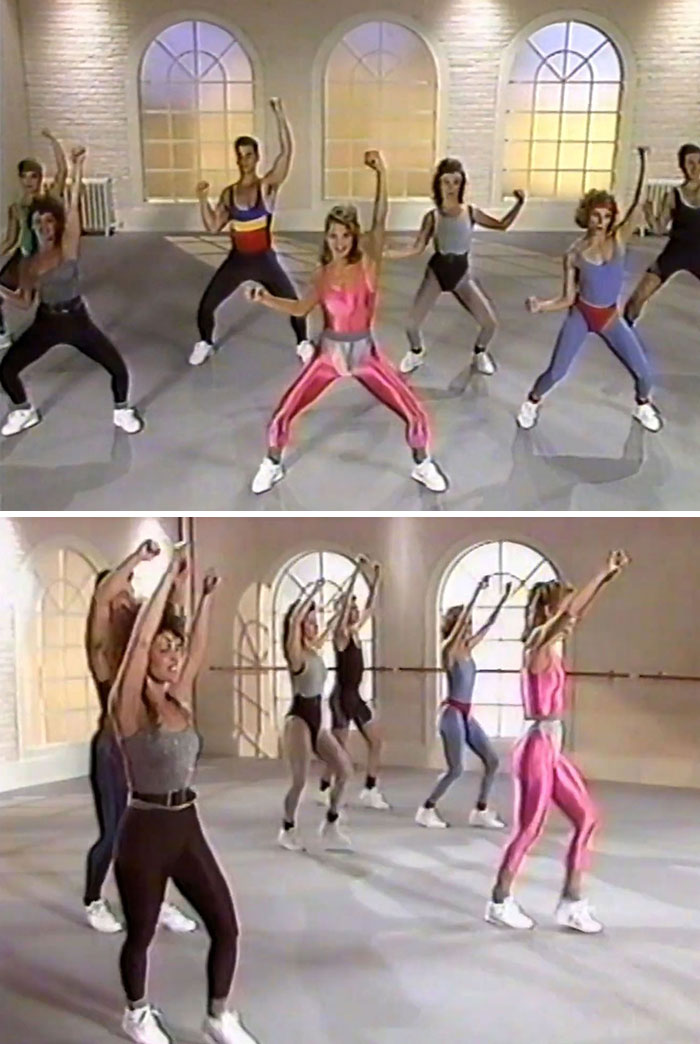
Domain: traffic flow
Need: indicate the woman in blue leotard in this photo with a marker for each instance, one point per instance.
(593, 277)
(458, 727)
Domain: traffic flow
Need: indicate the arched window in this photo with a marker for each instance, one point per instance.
(562, 112)
(497, 699)
(297, 578)
(196, 97)
(58, 695)
(380, 92)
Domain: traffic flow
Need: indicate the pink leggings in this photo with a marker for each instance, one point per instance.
(542, 776)
(372, 370)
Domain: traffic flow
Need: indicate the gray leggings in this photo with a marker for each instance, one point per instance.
(469, 294)
(459, 731)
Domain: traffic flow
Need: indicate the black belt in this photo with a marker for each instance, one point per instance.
(172, 799)
(76, 304)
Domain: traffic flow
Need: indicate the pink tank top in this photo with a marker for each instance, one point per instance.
(543, 693)
(349, 310)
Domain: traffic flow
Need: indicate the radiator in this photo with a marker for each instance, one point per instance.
(97, 213)
(657, 191)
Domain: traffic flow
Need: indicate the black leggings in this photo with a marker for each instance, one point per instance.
(75, 328)
(263, 268)
(110, 791)
(154, 845)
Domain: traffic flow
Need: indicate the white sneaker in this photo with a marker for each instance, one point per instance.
(412, 360)
(429, 475)
(5, 340)
(128, 419)
(527, 417)
(373, 798)
(483, 363)
(577, 915)
(19, 420)
(428, 817)
(334, 840)
(200, 353)
(101, 918)
(144, 1026)
(226, 1030)
(267, 475)
(289, 839)
(508, 914)
(648, 416)
(175, 920)
(323, 798)
(485, 818)
(306, 351)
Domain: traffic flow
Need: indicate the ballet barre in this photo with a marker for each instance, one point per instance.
(611, 675)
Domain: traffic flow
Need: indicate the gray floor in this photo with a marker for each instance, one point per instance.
(205, 432)
(381, 946)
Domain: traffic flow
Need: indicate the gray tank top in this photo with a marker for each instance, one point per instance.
(453, 234)
(311, 679)
(460, 681)
(161, 760)
(61, 284)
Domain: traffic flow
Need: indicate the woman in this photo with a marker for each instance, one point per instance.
(111, 617)
(161, 836)
(593, 276)
(303, 732)
(345, 287)
(543, 775)
(346, 703)
(450, 225)
(458, 727)
(52, 275)
(682, 252)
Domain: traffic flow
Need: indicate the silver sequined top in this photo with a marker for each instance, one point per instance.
(60, 284)
(161, 760)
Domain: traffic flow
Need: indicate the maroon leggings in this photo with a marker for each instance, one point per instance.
(155, 845)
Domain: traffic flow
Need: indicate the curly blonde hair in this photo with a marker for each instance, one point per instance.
(346, 215)
(542, 599)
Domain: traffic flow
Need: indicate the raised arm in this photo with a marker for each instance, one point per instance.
(658, 224)
(71, 236)
(480, 217)
(371, 598)
(58, 185)
(279, 171)
(373, 241)
(199, 639)
(453, 638)
(300, 308)
(628, 224)
(214, 219)
(483, 631)
(125, 699)
(341, 625)
(294, 649)
(423, 237)
(568, 290)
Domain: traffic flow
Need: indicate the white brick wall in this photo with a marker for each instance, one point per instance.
(79, 54)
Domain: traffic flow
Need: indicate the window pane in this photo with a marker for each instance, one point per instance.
(512, 721)
(606, 97)
(603, 126)
(606, 64)
(544, 155)
(571, 157)
(548, 98)
(569, 184)
(577, 97)
(574, 126)
(584, 38)
(550, 38)
(600, 156)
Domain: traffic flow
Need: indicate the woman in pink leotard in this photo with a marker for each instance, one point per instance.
(345, 287)
(543, 774)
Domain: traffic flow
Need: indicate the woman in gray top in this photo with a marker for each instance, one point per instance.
(449, 224)
(161, 836)
(52, 276)
(304, 733)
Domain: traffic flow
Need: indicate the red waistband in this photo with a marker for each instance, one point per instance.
(465, 708)
(597, 316)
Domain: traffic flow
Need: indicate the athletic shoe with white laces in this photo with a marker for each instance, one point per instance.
(577, 915)
(334, 840)
(100, 917)
(306, 351)
(412, 360)
(128, 419)
(289, 839)
(508, 914)
(485, 818)
(483, 363)
(226, 1030)
(144, 1026)
(267, 475)
(428, 817)
(648, 416)
(527, 417)
(430, 476)
(19, 420)
(371, 797)
(175, 920)
(200, 353)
